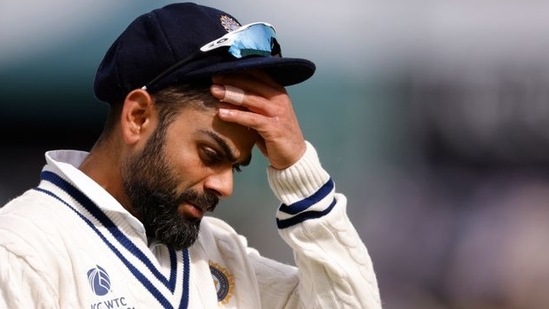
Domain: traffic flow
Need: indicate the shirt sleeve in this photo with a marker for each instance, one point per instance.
(334, 268)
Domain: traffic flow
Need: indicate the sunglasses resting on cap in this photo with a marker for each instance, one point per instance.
(255, 39)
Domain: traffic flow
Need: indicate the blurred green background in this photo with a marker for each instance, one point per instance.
(431, 116)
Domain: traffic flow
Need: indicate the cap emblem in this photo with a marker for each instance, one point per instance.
(228, 23)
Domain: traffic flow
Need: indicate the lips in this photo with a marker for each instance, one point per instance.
(192, 210)
(194, 205)
(195, 209)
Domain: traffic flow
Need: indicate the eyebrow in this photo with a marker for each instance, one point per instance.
(227, 151)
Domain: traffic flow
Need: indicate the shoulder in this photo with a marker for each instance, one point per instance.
(32, 225)
(215, 230)
(24, 211)
(28, 202)
(32, 208)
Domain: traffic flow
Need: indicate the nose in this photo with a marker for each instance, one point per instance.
(220, 182)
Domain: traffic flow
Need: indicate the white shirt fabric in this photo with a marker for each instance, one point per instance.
(69, 244)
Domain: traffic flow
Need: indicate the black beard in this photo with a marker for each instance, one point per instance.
(161, 219)
(151, 188)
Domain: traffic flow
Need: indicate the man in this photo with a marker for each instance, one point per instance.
(123, 226)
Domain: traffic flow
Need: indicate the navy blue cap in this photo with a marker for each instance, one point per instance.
(156, 40)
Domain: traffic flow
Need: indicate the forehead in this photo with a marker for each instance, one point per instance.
(193, 120)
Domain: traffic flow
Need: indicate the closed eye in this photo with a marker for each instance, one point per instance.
(213, 157)
(210, 156)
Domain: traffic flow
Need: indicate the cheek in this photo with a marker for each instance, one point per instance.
(187, 166)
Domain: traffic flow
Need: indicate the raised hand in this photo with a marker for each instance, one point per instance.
(255, 101)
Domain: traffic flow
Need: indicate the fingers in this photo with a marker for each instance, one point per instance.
(244, 100)
(243, 118)
(256, 93)
(259, 101)
(252, 82)
(233, 95)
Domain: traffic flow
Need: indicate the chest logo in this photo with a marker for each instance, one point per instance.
(100, 282)
(223, 281)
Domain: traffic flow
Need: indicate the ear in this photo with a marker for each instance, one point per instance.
(136, 117)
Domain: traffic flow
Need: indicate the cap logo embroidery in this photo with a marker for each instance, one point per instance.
(228, 23)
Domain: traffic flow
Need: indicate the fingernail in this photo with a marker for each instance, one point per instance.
(224, 112)
(218, 90)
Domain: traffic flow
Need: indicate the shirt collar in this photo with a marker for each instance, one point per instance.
(65, 163)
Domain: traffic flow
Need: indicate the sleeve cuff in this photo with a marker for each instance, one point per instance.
(300, 180)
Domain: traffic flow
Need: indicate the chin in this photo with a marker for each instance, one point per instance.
(179, 236)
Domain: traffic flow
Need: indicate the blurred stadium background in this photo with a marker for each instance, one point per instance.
(432, 117)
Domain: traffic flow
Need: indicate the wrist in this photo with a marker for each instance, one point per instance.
(300, 180)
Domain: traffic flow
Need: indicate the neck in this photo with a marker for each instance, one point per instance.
(103, 166)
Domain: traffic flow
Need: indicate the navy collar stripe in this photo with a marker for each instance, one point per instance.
(109, 224)
(99, 215)
(132, 268)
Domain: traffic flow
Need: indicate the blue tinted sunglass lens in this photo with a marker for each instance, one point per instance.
(257, 40)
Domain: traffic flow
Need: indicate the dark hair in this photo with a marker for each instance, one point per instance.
(169, 102)
(172, 100)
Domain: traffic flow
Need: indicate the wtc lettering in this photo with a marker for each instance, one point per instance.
(111, 304)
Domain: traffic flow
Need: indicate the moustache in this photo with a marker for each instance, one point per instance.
(205, 201)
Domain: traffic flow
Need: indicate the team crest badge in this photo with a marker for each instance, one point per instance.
(224, 282)
(228, 23)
